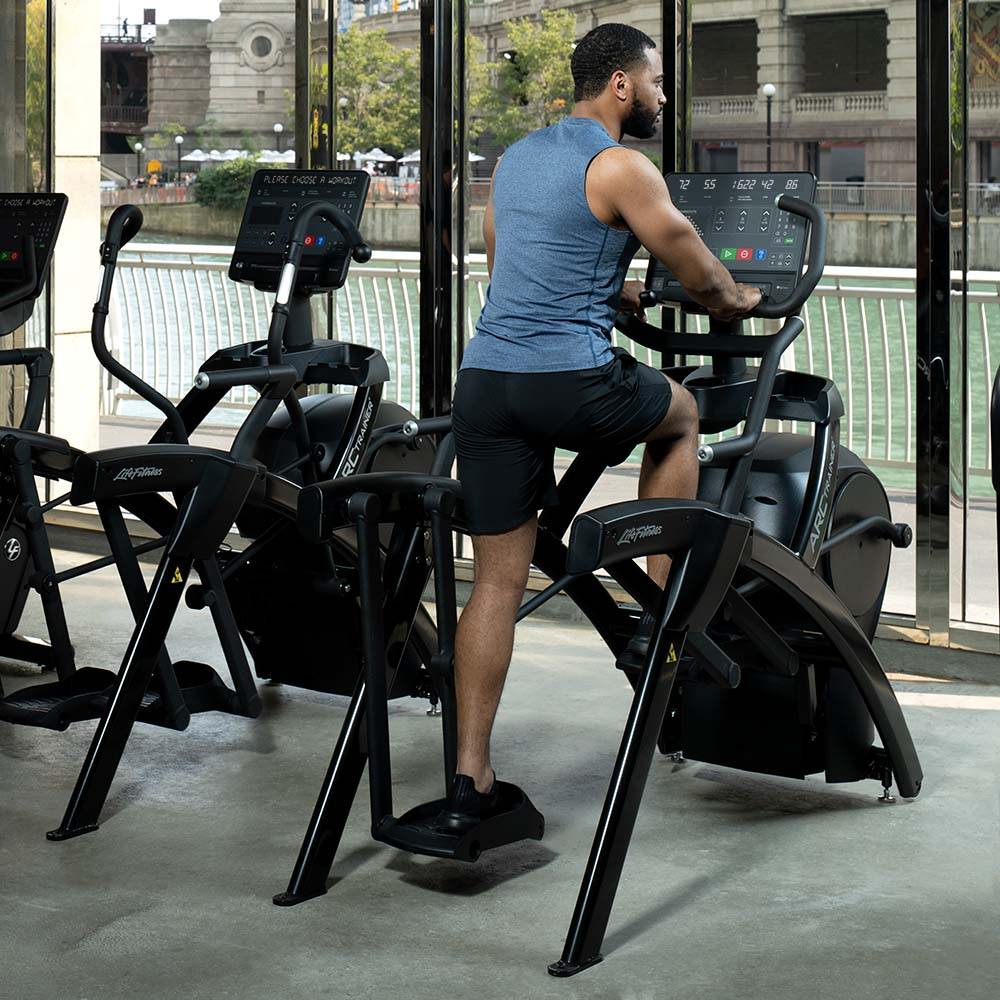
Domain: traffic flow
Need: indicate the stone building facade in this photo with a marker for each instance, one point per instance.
(231, 77)
(844, 73)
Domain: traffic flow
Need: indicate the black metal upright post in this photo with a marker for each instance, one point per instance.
(769, 102)
(461, 172)
(303, 104)
(933, 317)
(675, 133)
(436, 172)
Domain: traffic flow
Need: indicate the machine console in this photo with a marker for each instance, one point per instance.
(276, 196)
(735, 215)
(36, 215)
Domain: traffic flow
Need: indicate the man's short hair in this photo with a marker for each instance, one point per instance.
(602, 51)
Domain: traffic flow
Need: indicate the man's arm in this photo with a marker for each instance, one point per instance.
(489, 230)
(626, 186)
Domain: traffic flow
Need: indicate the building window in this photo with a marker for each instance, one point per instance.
(845, 53)
(724, 59)
(260, 96)
(261, 46)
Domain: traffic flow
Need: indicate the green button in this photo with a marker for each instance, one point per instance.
(727, 253)
(789, 240)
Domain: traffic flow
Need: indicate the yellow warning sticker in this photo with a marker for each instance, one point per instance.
(180, 579)
(672, 654)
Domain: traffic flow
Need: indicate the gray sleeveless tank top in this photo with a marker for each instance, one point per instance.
(558, 270)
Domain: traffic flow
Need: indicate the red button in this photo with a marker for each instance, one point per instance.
(744, 253)
(308, 241)
(15, 254)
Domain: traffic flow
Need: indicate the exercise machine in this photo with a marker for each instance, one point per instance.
(298, 237)
(79, 694)
(756, 660)
(29, 228)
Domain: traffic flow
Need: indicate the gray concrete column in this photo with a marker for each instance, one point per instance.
(902, 56)
(780, 55)
(76, 138)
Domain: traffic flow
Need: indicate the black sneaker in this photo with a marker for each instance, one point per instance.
(465, 806)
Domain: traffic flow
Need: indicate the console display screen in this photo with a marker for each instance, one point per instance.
(276, 198)
(736, 216)
(36, 215)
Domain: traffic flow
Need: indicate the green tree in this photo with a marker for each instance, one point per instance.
(380, 87)
(208, 135)
(481, 99)
(534, 87)
(225, 186)
(35, 96)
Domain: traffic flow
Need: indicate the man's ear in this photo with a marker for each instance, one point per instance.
(621, 85)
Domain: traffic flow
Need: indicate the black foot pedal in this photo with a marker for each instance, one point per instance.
(60, 703)
(418, 832)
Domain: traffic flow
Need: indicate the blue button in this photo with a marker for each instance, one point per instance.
(320, 240)
(760, 255)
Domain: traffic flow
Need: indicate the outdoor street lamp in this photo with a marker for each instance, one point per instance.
(342, 103)
(768, 90)
(138, 159)
(278, 129)
(179, 140)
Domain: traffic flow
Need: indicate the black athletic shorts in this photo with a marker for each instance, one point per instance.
(508, 424)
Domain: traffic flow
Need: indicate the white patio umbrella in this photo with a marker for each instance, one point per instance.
(343, 156)
(216, 156)
(234, 154)
(377, 155)
(269, 156)
(414, 157)
(195, 156)
(288, 156)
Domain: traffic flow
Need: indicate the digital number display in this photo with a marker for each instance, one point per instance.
(736, 216)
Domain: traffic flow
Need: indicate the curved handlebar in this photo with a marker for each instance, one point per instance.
(24, 289)
(124, 225)
(329, 212)
(360, 251)
(817, 259)
(807, 282)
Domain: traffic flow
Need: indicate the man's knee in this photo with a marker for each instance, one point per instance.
(681, 420)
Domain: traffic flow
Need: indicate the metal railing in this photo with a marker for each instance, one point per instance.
(175, 305)
(162, 194)
(127, 114)
(870, 198)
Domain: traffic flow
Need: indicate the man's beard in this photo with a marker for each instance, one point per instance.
(641, 123)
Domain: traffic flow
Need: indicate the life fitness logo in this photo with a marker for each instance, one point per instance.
(131, 472)
(12, 549)
(630, 535)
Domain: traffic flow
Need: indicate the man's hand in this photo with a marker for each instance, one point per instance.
(629, 300)
(749, 299)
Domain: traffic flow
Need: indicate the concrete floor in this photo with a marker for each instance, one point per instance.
(736, 885)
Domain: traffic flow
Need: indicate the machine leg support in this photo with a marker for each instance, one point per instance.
(563, 969)
(69, 834)
(294, 898)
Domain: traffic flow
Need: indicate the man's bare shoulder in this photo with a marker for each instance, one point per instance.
(618, 166)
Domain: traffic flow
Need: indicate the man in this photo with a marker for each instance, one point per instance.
(568, 209)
